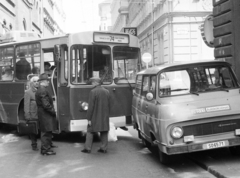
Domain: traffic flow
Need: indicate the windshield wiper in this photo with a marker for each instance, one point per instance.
(223, 89)
(181, 89)
(195, 93)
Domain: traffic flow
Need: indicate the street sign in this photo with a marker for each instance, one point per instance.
(130, 30)
(146, 57)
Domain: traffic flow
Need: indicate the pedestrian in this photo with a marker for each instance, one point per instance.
(23, 67)
(46, 115)
(30, 108)
(97, 116)
(47, 68)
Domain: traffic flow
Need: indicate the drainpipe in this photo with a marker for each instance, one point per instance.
(153, 61)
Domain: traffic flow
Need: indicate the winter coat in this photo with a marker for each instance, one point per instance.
(46, 112)
(98, 109)
(30, 106)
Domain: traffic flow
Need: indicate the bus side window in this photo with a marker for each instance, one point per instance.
(7, 73)
(23, 67)
(27, 57)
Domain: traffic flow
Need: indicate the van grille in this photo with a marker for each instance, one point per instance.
(212, 128)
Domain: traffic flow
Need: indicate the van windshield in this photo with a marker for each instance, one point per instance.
(194, 80)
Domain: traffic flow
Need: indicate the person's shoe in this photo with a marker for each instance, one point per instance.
(35, 148)
(86, 151)
(102, 151)
(54, 146)
(49, 152)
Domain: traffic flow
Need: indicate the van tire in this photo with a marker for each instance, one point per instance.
(146, 143)
(235, 150)
(163, 158)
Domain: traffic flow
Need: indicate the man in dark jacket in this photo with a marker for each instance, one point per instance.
(98, 116)
(46, 115)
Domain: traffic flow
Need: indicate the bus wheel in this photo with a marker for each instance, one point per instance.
(235, 150)
(163, 158)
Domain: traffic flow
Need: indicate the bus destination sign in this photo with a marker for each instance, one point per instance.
(111, 38)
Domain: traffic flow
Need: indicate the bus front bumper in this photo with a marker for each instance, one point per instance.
(81, 125)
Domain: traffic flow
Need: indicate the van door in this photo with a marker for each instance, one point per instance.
(136, 102)
(151, 111)
(144, 106)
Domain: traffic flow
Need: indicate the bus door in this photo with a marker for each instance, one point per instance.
(61, 90)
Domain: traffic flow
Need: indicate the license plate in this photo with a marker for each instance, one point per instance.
(215, 145)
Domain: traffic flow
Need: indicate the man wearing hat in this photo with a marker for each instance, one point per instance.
(97, 116)
(46, 115)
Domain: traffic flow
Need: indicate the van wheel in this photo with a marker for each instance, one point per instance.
(163, 158)
(235, 150)
(139, 135)
(146, 143)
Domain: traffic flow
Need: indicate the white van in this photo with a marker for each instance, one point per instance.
(187, 107)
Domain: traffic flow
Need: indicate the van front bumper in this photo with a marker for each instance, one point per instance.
(191, 147)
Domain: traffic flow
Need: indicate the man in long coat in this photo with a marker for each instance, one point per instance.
(46, 115)
(30, 108)
(98, 116)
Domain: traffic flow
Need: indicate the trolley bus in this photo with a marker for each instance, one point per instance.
(114, 57)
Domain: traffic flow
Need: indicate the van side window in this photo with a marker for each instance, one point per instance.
(153, 85)
(145, 85)
(138, 84)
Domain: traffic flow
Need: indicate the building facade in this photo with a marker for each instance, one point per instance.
(45, 17)
(168, 29)
(104, 9)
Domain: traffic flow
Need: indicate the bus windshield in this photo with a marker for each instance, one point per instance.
(90, 61)
(125, 64)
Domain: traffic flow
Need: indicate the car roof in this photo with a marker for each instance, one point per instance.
(157, 69)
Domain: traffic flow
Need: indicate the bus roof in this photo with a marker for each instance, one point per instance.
(87, 37)
(157, 69)
(17, 37)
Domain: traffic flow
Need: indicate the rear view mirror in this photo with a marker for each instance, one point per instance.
(57, 53)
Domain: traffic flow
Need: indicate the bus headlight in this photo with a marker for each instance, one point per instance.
(177, 132)
(84, 106)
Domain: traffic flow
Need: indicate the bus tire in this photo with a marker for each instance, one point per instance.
(235, 150)
(163, 158)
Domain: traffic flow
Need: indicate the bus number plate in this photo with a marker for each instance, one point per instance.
(215, 145)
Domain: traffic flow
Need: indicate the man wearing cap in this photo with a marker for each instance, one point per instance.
(97, 116)
(46, 115)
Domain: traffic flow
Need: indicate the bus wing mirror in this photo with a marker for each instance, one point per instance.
(57, 53)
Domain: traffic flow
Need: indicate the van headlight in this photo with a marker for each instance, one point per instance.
(177, 132)
(84, 106)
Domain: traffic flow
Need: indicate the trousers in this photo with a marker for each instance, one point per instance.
(103, 137)
(46, 140)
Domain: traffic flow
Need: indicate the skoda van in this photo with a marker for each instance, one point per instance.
(187, 107)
